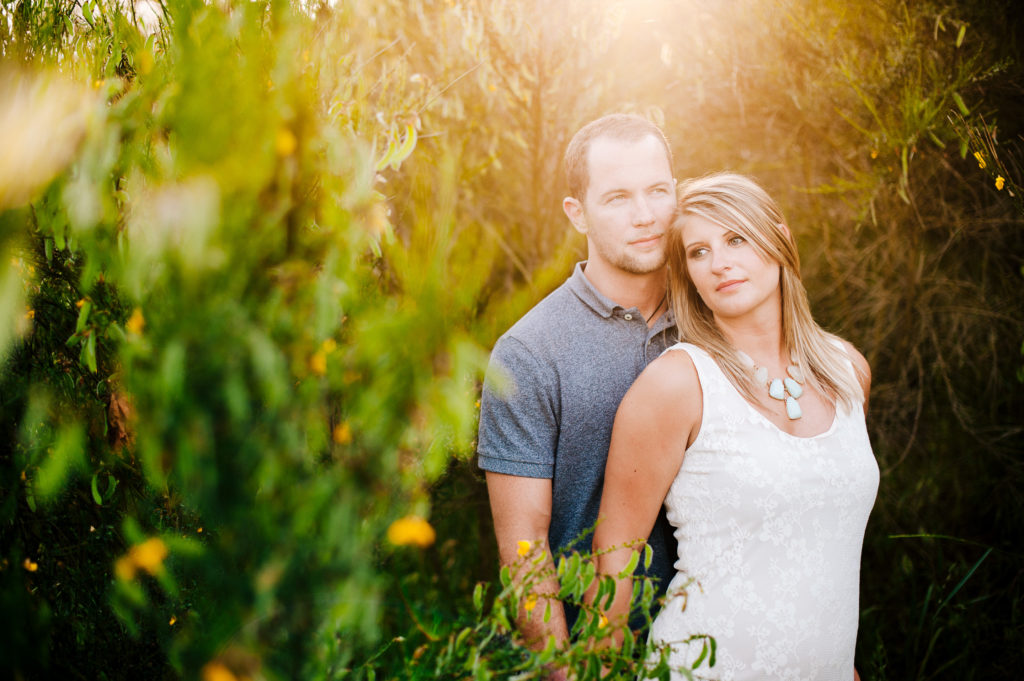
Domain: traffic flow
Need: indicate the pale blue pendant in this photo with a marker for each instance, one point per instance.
(793, 409)
(776, 389)
(792, 387)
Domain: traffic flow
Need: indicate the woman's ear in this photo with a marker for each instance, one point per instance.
(574, 211)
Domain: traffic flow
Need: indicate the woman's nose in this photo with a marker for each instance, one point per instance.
(720, 260)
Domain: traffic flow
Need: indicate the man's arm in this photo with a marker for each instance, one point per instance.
(521, 508)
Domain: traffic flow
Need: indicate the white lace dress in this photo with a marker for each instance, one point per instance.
(770, 528)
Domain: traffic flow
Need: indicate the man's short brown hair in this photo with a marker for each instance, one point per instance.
(625, 127)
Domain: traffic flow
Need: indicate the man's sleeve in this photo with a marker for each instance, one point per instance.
(518, 424)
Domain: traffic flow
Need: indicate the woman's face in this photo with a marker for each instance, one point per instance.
(731, 277)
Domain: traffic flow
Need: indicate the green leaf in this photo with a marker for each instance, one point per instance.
(67, 455)
(960, 104)
(89, 352)
(704, 651)
(611, 593)
(406, 148)
(634, 560)
(960, 35)
(99, 498)
(83, 316)
(505, 575)
(463, 635)
(478, 598)
(648, 556)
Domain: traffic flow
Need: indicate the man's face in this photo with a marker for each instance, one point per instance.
(629, 204)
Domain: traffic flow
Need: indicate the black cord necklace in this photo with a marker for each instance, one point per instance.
(660, 303)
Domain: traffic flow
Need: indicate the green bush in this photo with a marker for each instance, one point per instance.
(251, 261)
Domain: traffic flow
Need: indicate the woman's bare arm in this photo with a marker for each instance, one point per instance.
(658, 418)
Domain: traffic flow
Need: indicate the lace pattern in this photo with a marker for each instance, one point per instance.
(770, 528)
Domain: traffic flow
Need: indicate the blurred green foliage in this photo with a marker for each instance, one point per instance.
(252, 256)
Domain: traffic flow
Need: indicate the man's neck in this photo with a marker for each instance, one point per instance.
(646, 292)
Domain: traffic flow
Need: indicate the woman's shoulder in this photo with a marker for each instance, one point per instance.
(671, 376)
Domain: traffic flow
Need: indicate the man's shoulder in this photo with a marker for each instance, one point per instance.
(551, 317)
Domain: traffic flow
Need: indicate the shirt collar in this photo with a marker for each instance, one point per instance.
(603, 305)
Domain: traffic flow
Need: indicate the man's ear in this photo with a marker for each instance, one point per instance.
(574, 211)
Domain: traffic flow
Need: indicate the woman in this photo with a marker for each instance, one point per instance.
(753, 436)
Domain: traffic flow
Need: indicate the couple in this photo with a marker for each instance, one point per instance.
(741, 455)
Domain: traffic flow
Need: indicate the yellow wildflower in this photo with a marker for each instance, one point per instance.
(136, 322)
(200, 530)
(411, 530)
(148, 556)
(285, 144)
(602, 623)
(523, 547)
(124, 568)
(172, 621)
(342, 433)
(980, 159)
(329, 346)
(30, 313)
(216, 671)
(874, 153)
(1000, 183)
(80, 303)
(30, 565)
(530, 604)
(318, 363)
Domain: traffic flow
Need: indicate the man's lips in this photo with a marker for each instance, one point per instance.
(728, 285)
(646, 240)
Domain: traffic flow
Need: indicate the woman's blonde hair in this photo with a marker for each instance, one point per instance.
(737, 203)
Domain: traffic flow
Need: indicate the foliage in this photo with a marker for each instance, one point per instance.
(252, 255)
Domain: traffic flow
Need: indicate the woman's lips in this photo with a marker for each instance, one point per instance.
(729, 285)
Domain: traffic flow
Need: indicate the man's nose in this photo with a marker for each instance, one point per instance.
(642, 213)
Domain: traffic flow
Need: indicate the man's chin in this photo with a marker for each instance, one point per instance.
(636, 266)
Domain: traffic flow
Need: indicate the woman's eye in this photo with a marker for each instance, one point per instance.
(736, 240)
(698, 252)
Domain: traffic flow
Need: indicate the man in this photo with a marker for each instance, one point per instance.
(557, 376)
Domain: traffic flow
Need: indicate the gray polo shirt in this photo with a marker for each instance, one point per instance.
(553, 386)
